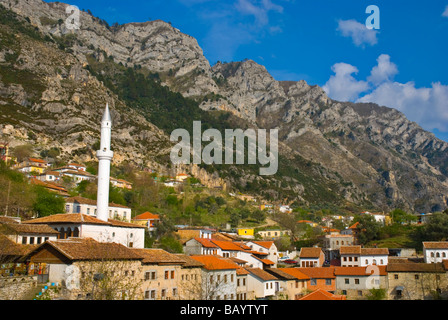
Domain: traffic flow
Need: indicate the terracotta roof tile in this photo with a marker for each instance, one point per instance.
(158, 256)
(294, 272)
(310, 252)
(89, 249)
(147, 216)
(416, 267)
(261, 274)
(436, 245)
(350, 250)
(319, 272)
(358, 271)
(320, 294)
(215, 263)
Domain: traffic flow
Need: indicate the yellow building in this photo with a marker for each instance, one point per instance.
(246, 232)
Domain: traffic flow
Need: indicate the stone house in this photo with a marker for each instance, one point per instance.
(417, 281)
(292, 283)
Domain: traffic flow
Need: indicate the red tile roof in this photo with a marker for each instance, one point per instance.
(436, 245)
(319, 272)
(320, 294)
(310, 252)
(359, 271)
(147, 216)
(295, 272)
(215, 263)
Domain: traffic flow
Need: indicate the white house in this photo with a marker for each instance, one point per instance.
(219, 278)
(355, 256)
(268, 247)
(262, 283)
(89, 207)
(435, 252)
(85, 226)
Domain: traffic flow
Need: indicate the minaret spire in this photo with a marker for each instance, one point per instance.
(105, 156)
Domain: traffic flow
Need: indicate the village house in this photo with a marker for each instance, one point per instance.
(89, 207)
(417, 281)
(292, 283)
(161, 274)
(262, 283)
(49, 176)
(148, 220)
(320, 278)
(263, 247)
(246, 233)
(25, 233)
(356, 282)
(74, 174)
(218, 278)
(332, 244)
(79, 225)
(356, 256)
(78, 264)
(311, 257)
(242, 291)
(186, 233)
(273, 234)
(190, 278)
(51, 186)
(33, 166)
(434, 252)
(120, 183)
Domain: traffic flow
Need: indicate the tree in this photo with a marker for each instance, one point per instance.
(368, 228)
(22, 152)
(47, 203)
(401, 217)
(377, 294)
(436, 229)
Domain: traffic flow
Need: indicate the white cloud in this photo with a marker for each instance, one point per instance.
(260, 12)
(358, 32)
(445, 13)
(384, 71)
(426, 106)
(343, 86)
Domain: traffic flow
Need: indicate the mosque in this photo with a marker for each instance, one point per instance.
(100, 228)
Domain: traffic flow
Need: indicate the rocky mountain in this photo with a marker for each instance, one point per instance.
(55, 82)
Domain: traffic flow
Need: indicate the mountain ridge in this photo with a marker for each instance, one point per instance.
(373, 153)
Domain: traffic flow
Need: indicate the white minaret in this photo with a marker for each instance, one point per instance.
(105, 156)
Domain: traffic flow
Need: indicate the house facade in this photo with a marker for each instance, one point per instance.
(311, 257)
(89, 207)
(356, 282)
(435, 252)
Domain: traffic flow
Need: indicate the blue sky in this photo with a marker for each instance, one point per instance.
(403, 65)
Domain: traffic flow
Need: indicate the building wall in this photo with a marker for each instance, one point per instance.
(216, 287)
(416, 289)
(435, 255)
(350, 260)
(190, 280)
(124, 236)
(261, 289)
(161, 282)
(358, 287)
(373, 260)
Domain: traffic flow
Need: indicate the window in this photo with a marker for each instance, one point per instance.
(344, 292)
(313, 282)
(24, 240)
(396, 276)
(167, 274)
(328, 282)
(150, 275)
(174, 292)
(172, 274)
(356, 281)
(359, 293)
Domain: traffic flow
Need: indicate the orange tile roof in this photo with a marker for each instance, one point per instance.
(147, 216)
(261, 274)
(435, 245)
(227, 245)
(37, 160)
(264, 244)
(207, 243)
(319, 272)
(310, 252)
(358, 271)
(350, 250)
(159, 256)
(215, 263)
(295, 273)
(374, 251)
(320, 294)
